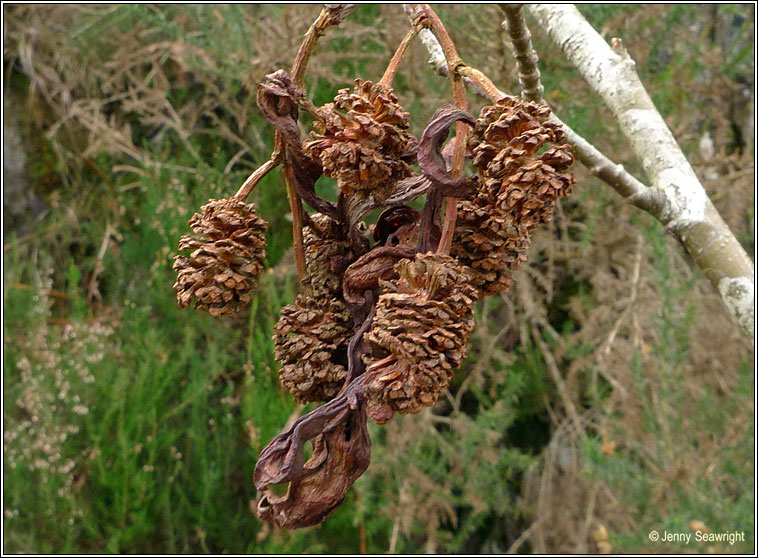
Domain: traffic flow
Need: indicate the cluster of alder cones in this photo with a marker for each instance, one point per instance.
(381, 323)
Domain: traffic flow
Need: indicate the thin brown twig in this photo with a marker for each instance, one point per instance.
(588, 520)
(481, 81)
(296, 207)
(256, 176)
(397, 58)
(461, 129)
(92, 289)
(331, 14)
(632, 190)
(524, 536)
(395, 532)
(605, 348)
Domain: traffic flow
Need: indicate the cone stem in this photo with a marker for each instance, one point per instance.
(296, 206)
(397, 58)
(485, 83)
(461, 129)
(327, 17)
(252, 180)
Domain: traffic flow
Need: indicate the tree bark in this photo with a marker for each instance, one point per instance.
(683, 206)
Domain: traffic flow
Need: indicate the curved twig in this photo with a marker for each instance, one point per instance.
(461, 130)
(631, 189)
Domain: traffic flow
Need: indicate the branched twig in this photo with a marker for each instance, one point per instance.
(684, 208)
(709, 241)
(453, 61)
(531, 89)
(331, 14)
(631, 189)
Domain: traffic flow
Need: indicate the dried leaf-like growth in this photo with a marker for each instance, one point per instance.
(312, 335)
(361, 139)
(226, 257)
(419, 333)
(341, 453)
(310, 342)
(517, 190)
(381, 330)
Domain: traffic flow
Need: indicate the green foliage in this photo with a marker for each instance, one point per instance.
(666, 481)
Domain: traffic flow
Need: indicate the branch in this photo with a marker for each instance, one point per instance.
(631, 189)
(331, 14)
(685, 210)
(614, 175)
(526, 57)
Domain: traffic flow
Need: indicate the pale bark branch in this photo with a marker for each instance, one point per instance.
(685, 209)
(624, 183)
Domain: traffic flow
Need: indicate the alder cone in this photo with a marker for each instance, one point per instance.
(361, 140)
(327, 254)
(227, 253)
(505, 144)
(517, 189)
(310, 342)
(418, 335)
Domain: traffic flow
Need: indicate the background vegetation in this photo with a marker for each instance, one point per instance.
(606, 395)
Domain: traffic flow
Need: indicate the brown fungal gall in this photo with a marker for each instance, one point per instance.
(361, 140)
(418, 335)
(316, 487)
(226, 257)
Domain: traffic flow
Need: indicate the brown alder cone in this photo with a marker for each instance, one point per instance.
(327, 254)
(418, 336)
(310, 342)
(517, 189)
(361, 139)
(227, 253)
